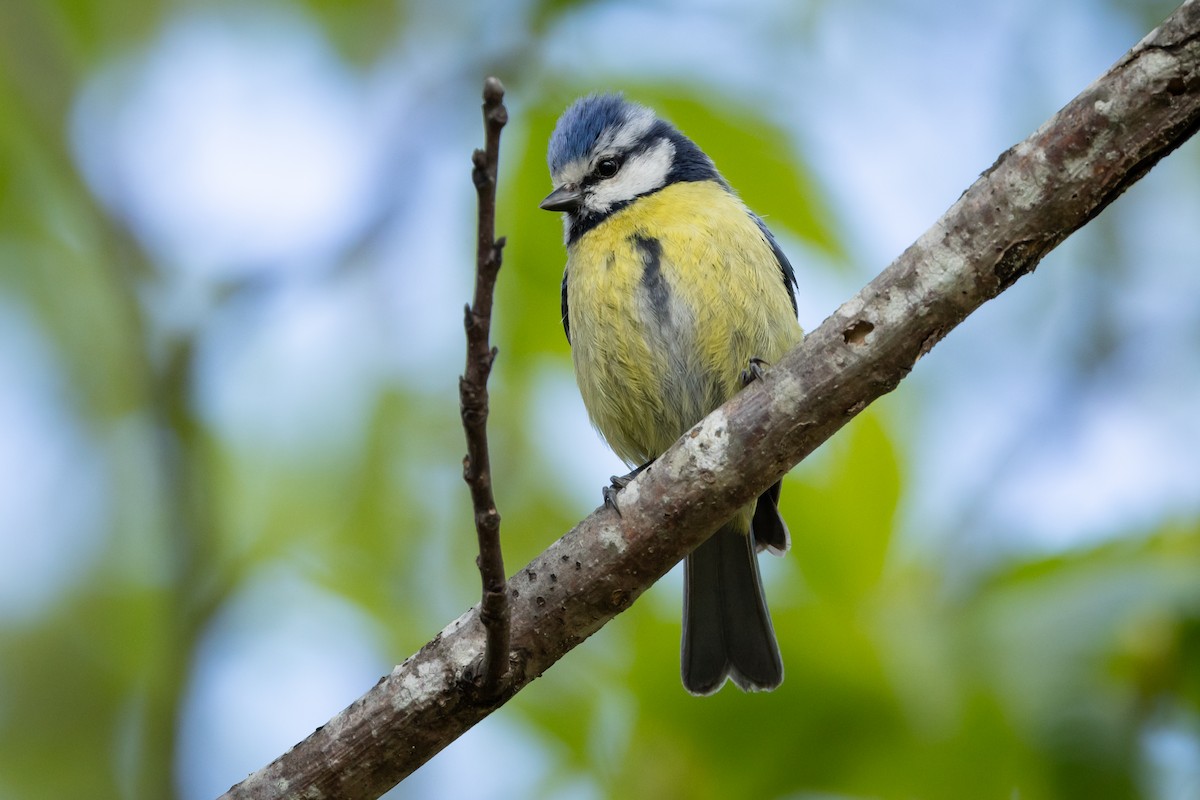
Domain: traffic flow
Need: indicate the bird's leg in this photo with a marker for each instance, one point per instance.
(754, 372)
(619, 482)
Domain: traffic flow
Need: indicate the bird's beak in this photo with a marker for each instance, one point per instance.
(565, 198)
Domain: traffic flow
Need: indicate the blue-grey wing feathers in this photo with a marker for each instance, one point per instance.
(565, 319)
(785, 266)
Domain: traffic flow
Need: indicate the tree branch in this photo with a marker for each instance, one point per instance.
(473, 393)
(1034, 196)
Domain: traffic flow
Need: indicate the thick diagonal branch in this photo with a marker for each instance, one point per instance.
(1035, 195)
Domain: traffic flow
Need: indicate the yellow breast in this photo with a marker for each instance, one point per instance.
(668, 300)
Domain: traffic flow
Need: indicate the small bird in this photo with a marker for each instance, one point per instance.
(673, 297)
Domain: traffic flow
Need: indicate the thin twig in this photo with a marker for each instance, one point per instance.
(472, 388)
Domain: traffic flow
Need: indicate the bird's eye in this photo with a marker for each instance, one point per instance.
(607, 167)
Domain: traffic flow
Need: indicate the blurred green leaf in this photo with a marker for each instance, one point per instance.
(529, 292)
(757, 158)
(546, 12)
(362, 30)
(841, 517)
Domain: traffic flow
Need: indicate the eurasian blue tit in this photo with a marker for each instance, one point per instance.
(674, 293)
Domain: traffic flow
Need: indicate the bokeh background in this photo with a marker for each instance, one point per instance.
(235, 242)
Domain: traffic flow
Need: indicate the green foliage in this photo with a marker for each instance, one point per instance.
(842, 521)
(757, 158)
(361, 29)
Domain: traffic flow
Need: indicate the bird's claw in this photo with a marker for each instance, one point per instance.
(619, 482)
(610, 497)
(754, 372)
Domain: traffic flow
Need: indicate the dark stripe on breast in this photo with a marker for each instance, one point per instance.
(652, 277)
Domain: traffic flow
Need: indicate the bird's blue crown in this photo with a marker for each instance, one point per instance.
(581, 125)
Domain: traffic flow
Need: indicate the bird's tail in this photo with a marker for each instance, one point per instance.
(726, 626)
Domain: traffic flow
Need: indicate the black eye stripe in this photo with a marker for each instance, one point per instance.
(642, 146)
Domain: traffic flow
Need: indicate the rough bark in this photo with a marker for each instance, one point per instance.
(1034, 196)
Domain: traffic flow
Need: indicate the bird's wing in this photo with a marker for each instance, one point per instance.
(567, 322)
(785, 266)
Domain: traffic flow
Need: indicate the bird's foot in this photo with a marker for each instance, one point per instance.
(754, 372)
(619, 482)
